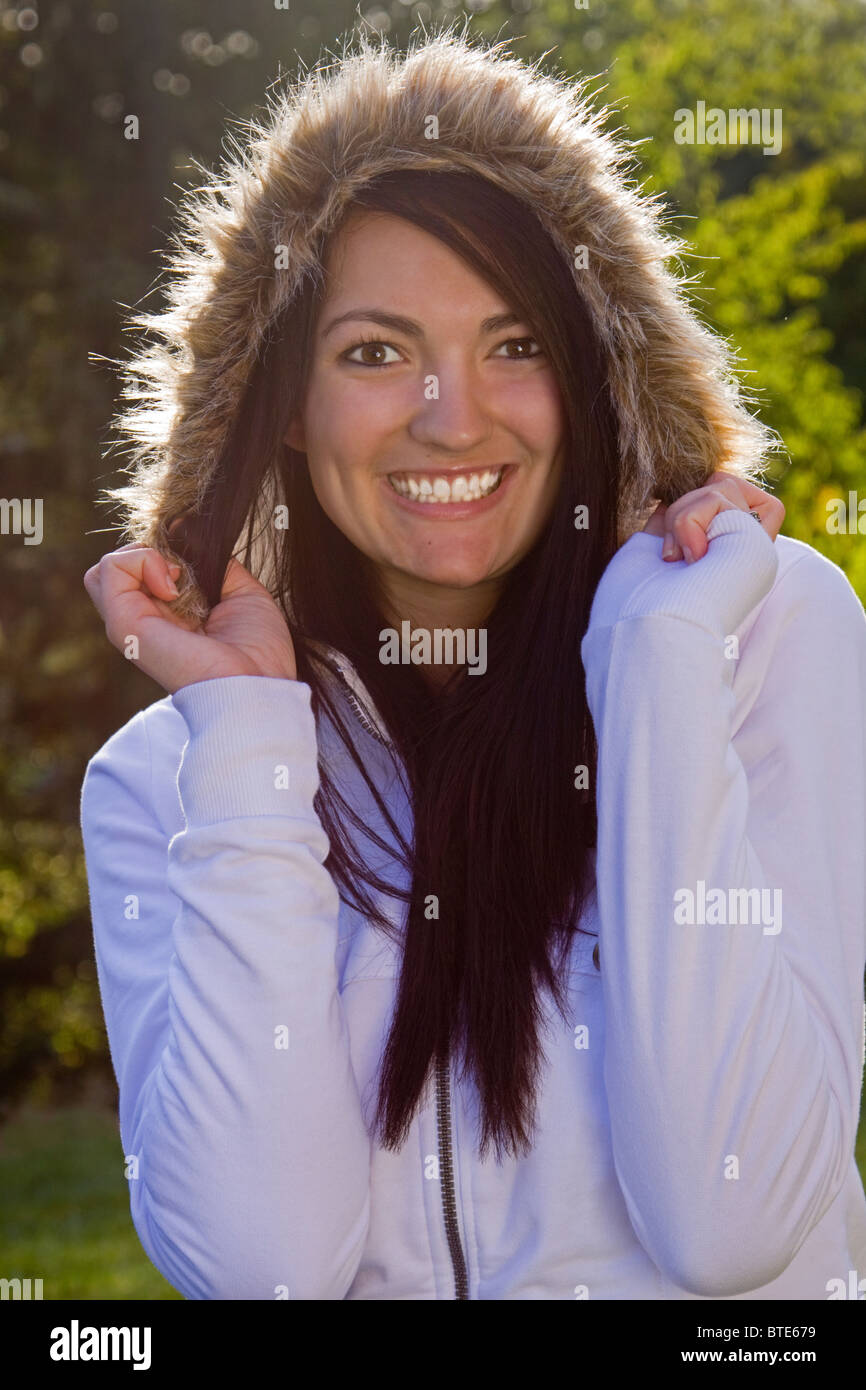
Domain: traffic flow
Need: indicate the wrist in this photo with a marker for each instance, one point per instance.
(717, 591)
(252, 748)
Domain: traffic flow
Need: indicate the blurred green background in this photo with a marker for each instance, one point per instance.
(780, 267)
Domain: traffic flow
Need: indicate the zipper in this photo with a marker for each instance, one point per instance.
(443, 1101)
(333, 661)
(362, 718)
(446, 1178)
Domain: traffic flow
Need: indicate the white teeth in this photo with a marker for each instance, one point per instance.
(462, 488)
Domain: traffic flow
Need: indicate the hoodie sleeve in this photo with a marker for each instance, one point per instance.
(733, 1047)
(240, 1116)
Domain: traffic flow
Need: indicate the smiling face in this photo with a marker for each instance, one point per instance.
(432, 421)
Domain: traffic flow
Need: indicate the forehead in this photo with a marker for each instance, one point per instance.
(383, 252)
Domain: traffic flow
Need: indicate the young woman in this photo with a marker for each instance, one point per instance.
(480, 914)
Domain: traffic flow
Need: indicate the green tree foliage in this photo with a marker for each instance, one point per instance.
(779, 239)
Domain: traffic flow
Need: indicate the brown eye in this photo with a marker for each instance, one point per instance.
(368, 346)
(521, 343)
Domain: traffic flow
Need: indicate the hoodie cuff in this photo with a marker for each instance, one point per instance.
(717, 592)
(252, 749)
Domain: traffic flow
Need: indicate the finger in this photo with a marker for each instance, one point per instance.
(671, 549)
(655, 522)
(127, 572)
(236, 579)
(770, 509)
(689, 517)
(173, 569)
(686, 539)
(690, 523)
(92, 575)
(659, 525)
(724, 483)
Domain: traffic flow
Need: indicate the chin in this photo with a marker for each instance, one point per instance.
(452, 576)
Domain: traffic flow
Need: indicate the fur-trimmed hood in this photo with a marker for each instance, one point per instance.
(680, 409)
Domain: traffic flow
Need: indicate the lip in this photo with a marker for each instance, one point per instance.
(451, 511)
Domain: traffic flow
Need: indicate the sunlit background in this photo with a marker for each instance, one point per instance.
(780, 261)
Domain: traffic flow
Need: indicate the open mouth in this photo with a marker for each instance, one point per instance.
(457, 487)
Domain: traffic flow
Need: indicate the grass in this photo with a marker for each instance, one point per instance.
(64, 1208)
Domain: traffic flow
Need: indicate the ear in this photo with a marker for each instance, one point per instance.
(294, 436)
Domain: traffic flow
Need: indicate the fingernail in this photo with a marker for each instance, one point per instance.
(689, 557)
(172, 587)
(668, 547)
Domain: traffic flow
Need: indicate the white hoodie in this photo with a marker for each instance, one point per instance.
(698, 1112)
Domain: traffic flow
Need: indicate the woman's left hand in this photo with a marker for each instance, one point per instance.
(684, 523)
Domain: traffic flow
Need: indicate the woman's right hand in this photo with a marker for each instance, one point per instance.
(245, 634)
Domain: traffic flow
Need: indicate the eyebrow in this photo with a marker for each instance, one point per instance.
(409, 326)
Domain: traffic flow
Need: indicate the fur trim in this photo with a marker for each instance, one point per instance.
(680, 409)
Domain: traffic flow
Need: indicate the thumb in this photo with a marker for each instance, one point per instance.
(236, 580)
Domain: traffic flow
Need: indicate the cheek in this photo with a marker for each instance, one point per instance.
(341, 435)
(334, 441)
(345, 426)
(335, 487)
(537, 414)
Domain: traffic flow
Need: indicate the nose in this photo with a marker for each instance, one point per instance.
(452, 413)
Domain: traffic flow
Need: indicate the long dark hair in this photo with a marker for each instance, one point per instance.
(501, 832)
